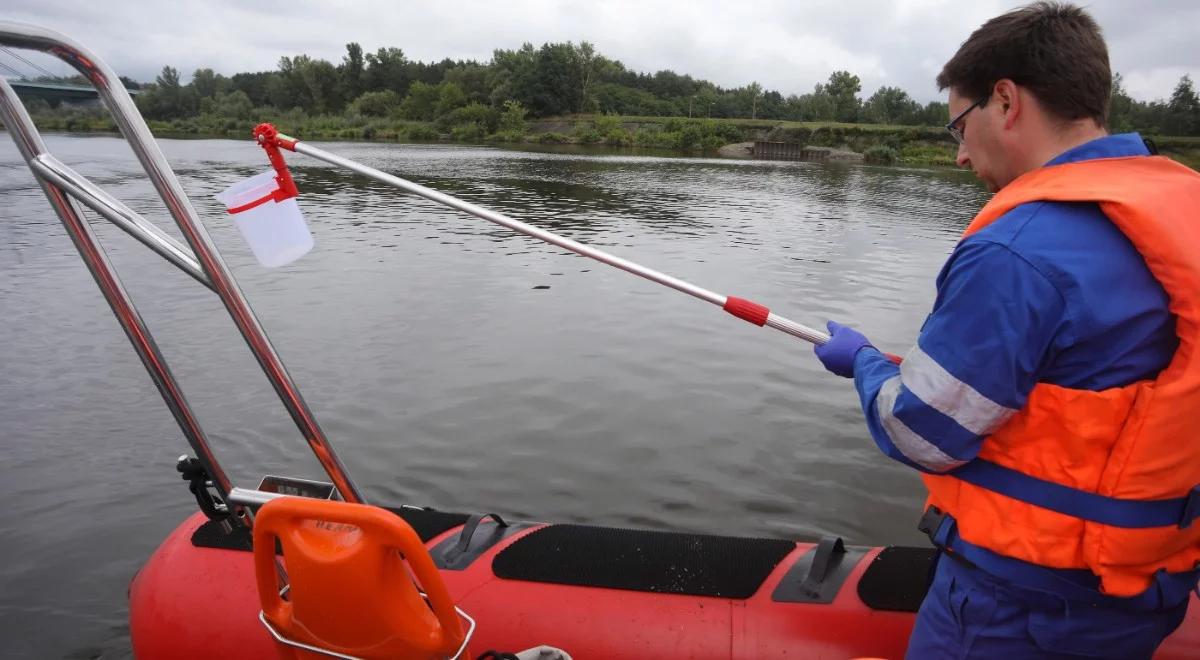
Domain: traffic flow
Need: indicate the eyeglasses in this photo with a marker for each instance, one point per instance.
(958, 132)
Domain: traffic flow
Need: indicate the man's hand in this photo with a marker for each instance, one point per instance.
(838, 353)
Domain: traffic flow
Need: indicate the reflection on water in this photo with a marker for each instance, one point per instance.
(456, 364)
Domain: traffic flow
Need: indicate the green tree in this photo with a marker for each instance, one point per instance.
(167, 98)
(450, 98)
(1183, 110)
(511, 73)
(168, 79)
(891, 105)
(287, 88)
(207, 84)
(752, 92)
(470, 122)
(235, 104)
(472, 79)
(771, 105)
(512, 120)
(935, 113)
(817, 106)
(324, 86)
(607, 123)
(353, 71)
(668, 84)
(616, 98)
(421, 102)
(253, 85)
(705, 97)
(1120, 107)
(387, 68)
(556, 87)
(375, 104)
(548, 81)
(843, 88)
(591, 67)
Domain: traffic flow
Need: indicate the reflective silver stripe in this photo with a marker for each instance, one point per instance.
(917, 449)
(927, 379)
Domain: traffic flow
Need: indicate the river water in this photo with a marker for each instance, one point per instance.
(454, 363)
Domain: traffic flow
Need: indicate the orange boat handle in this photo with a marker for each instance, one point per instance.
(281, 516)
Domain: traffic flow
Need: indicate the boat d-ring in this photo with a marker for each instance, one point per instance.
(469, 527)
(459, 552)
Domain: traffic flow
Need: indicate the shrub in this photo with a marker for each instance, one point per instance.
(647, 137)
(880, 154)
(607, 123)
(587, 134)
(473, 113)
(37, 106)
(421, 132)
(690, 137)
(512, 120)
(506, 136)
(928, 153)
(468, 132)
(617, 137)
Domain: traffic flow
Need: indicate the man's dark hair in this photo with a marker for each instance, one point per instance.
(1052, 48)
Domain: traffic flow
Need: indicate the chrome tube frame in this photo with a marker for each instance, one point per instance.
(30, 144)
(253, 498)
(120, 215)
(203, 263)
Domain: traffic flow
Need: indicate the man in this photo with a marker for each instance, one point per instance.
(1052, 399)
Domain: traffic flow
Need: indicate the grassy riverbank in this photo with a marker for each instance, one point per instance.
(887, 144)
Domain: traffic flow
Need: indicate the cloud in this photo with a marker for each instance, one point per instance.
(784, 45)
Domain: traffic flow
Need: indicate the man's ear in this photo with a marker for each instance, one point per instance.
(1008, 94)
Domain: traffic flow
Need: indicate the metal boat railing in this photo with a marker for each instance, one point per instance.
(199, 258)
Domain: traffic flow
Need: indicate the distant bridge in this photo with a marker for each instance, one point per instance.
(55, 93)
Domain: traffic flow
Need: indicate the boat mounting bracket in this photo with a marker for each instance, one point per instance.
(193, 472)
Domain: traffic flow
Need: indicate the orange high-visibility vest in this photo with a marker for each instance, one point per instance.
(1136, 442)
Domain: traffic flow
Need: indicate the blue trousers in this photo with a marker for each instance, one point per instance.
(970, 614)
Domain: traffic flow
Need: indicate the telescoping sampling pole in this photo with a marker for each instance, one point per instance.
(272, 140)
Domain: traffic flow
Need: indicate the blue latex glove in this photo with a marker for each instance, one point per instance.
(838, 353)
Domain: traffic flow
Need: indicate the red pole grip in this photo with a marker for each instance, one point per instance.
(747, 310)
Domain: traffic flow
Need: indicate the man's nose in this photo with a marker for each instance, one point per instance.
(963, 158)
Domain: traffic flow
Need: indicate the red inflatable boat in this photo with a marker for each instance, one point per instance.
(594, 592)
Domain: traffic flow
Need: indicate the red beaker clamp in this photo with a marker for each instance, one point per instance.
(270, 139)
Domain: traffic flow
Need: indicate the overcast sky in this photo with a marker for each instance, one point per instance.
(785, 45)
